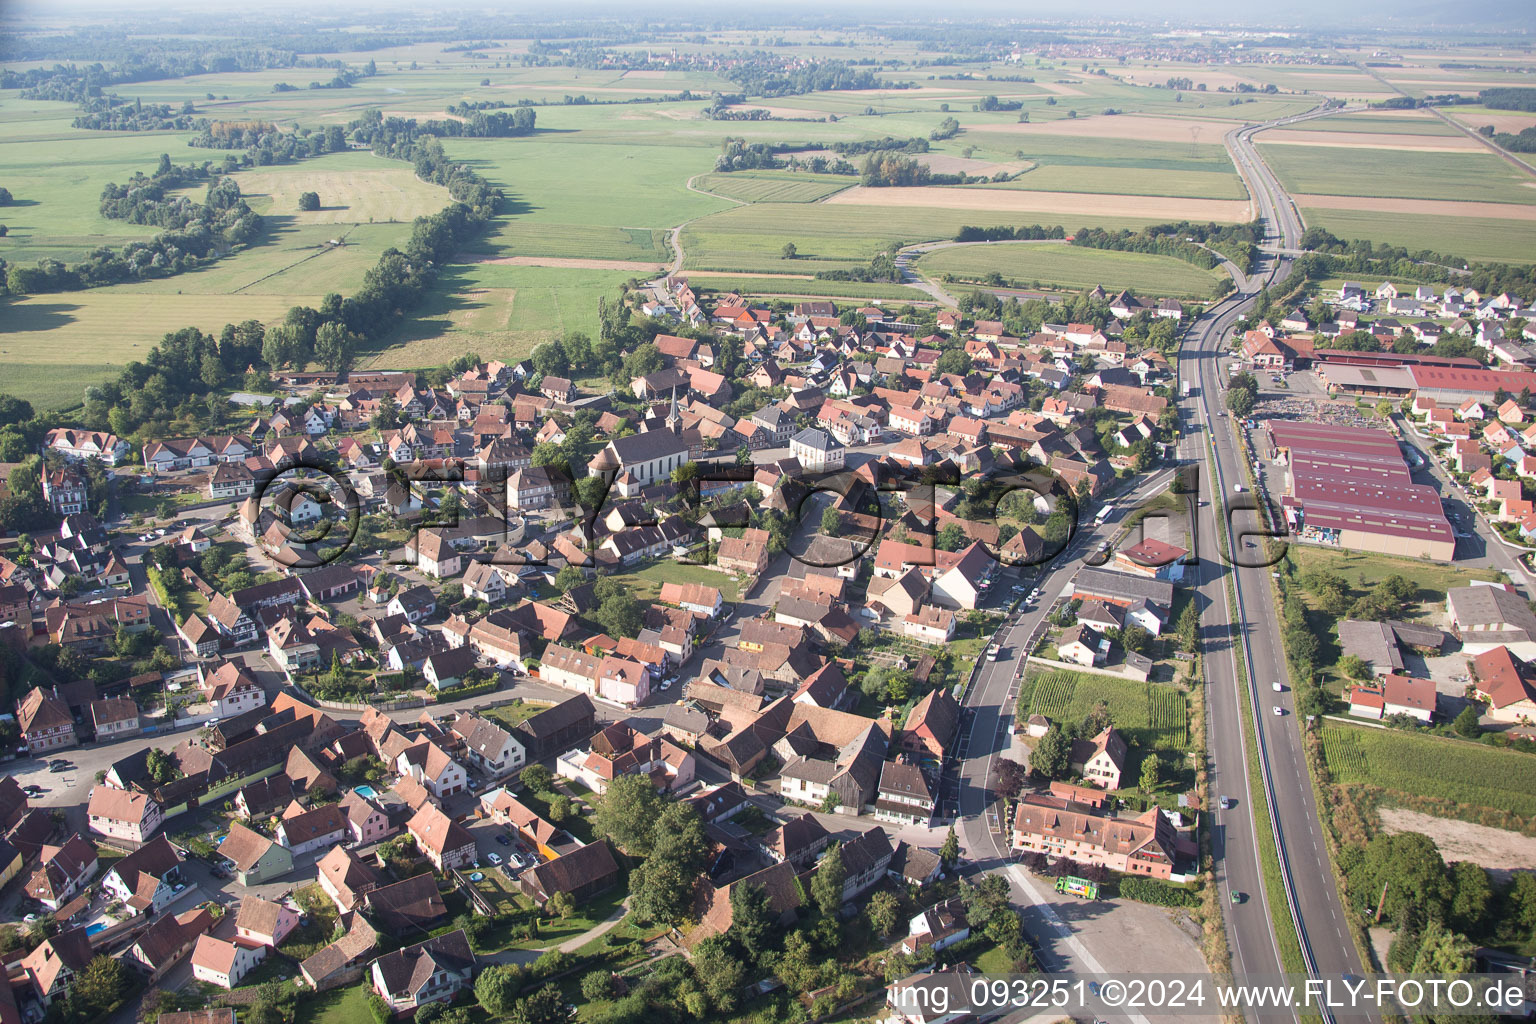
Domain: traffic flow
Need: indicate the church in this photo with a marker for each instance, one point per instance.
(641, 460)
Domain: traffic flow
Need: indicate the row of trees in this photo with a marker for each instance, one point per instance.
(1186, 241)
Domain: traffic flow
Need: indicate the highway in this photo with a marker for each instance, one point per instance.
(1243, 629)
(1249, 630)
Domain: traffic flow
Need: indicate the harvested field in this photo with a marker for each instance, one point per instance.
(346, 196)
(1119, 126)
(1514, 124)
(435, 115)
(571, 263)
(485, 310)
(790, 113)
(1075, 204)
(1212, 80)
(1496, 849)
(1373, 140)
(1061, 88)
(1450, 84)
(1430, 207)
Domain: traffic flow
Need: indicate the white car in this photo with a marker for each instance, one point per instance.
(1279, 710)
(666, 684)
(493, 857)
(1277, 687)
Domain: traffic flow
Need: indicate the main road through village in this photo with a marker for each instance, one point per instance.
(1244, 632)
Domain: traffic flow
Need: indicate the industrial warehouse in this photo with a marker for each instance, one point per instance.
(1350, 488)
(1396, 377)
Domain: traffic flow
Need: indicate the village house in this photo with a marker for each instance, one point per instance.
(432, 971)
(441, 840)
(45, 722)
(224, 963)
(120, 814)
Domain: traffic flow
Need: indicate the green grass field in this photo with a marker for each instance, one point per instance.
(54, 346)
(1330, 170)
(1363, 570)
(747, 284)
(499, 311)
(775, 186)
(354, 188)
(1152, 715)
(338, 1006)
(1377, 124)
(516, 237)
(1060, 265)
(751, 238)
(1471, 238)
(1464, 773)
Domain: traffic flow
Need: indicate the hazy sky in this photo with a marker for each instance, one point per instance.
(1513, 17)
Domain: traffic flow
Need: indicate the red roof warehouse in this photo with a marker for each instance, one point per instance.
(1351, 487)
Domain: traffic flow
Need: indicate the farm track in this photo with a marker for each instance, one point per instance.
(675, 236)
(1508, 157)
(283, 270)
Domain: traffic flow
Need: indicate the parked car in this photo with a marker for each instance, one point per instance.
(493, 857)
(503, 840)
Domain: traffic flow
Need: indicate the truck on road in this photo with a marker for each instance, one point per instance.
(1071, 885)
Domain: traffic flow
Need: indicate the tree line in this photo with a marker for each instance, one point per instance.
(765, 75)
(1006, 233)
(197, 231)
(1184, 240)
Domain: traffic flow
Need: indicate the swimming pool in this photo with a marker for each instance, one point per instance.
(93, 929)
(367, 792)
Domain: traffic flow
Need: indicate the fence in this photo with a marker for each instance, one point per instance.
(402, 704)
(1097, 670)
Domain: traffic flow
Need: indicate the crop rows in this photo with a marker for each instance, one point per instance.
(1431, 766)
(762, 189)
(1053, 695)
(1168, 714)
(1151, 715)
(1345, 755)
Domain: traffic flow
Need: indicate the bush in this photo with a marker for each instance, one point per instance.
(1159, 894)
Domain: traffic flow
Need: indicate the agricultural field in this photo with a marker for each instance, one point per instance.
(1061, 265)
(1471, 238)
(501, 312)
(54, 346)
(1463, 773)
(751, 238)
(1152, 715)
(611, 171)
(354, 188)
(1473, 176)
(1397, 122)
(56, 174)
(774, 186)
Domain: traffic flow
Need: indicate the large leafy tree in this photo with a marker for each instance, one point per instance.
(627, 813)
